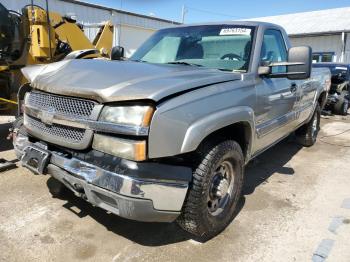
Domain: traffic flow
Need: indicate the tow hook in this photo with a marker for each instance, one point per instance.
(80, 192)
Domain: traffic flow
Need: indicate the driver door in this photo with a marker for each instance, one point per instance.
(276, 97)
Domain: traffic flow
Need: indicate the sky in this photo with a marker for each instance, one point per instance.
(219, 10)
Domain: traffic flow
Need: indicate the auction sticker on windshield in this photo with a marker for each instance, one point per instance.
(236, 31)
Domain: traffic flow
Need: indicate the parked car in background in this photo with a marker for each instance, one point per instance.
(338, 98)
(165, 136)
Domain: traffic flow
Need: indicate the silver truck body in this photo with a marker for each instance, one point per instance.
(191, 104)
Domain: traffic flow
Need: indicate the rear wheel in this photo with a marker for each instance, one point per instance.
(307, 134)
(342, 106)
(215, 191)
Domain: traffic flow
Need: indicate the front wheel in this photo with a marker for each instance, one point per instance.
(307, 134)
(215, 191)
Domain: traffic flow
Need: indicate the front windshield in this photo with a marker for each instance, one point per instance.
(223, 47)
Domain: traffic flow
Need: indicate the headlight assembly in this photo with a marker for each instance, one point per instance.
(138, 116)
(125, 120)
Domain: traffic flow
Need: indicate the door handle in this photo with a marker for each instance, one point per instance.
(293, 88)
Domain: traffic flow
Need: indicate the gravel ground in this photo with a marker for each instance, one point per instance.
(296, 207)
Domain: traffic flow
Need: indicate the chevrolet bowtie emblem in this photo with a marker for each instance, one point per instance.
(47, 116)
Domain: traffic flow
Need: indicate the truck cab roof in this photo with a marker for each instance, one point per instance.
(240, 22)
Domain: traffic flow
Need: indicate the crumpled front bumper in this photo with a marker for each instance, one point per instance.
(150, 200)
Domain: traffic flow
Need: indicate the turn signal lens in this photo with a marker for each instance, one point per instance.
(124, 148)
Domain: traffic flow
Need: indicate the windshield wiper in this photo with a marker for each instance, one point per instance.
(226, 70)
(139, 61)
(182, 63)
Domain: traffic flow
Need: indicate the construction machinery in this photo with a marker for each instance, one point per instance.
(39, 36)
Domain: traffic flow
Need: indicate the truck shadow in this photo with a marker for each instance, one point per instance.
(159, 234)
(4, 131)
(147, 234)
(274, 160)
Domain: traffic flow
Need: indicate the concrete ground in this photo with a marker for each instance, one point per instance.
(296, 207)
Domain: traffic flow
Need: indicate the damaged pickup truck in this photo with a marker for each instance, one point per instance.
(165, 135)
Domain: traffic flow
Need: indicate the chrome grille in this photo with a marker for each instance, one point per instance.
(61, 104)
(40, 108)
(67, 133)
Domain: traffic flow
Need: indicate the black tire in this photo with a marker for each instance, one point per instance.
(198, 216)
(342, 106)
(307, 134)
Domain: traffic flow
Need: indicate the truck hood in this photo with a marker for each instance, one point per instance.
(111, 81)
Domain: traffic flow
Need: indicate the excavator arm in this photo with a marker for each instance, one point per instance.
(104, 39)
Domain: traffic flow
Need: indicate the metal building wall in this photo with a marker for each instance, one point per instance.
(347, 49)
(130, 39)
(325, 43)
(130, 30)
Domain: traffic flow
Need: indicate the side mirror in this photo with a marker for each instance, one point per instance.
(302, 55)
(117, 53)
(298, 65)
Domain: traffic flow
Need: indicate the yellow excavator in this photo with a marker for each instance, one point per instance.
(37, 36)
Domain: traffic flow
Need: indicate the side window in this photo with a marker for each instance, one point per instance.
(274, 50)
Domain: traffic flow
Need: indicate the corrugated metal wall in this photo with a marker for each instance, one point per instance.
(326, 43)
(130, 39)
(136, 28)
(347, 49)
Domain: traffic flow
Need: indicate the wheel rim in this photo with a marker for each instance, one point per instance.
(221, 187)
(315, 126)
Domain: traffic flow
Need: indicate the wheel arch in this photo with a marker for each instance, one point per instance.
(237, 125)
(240, 132)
